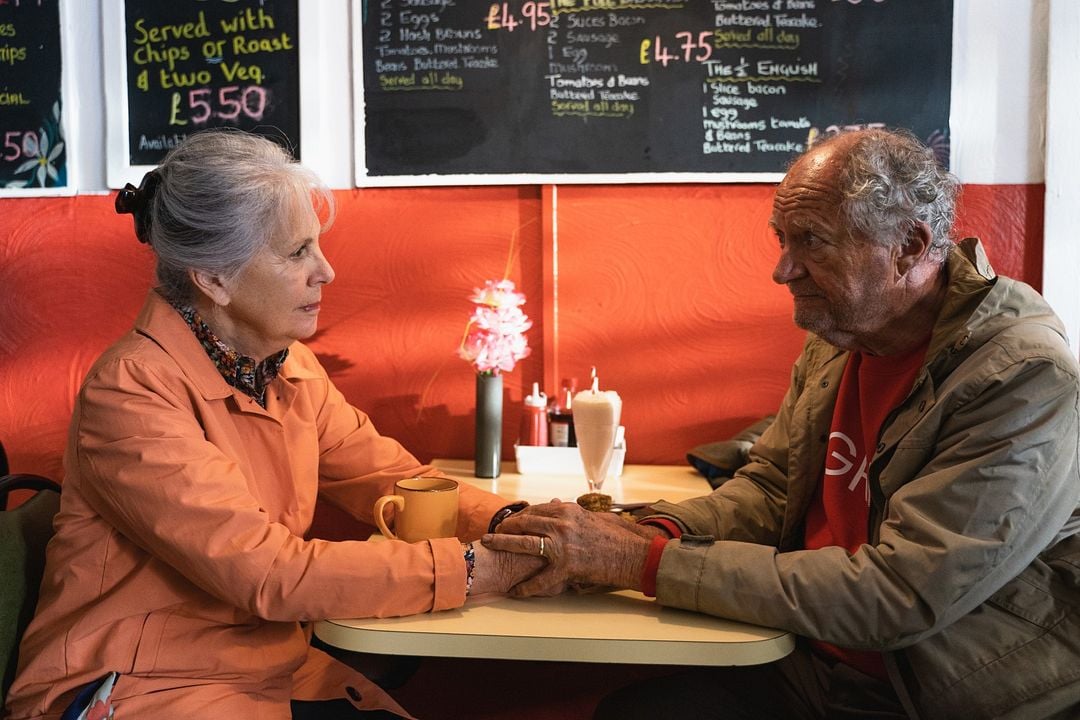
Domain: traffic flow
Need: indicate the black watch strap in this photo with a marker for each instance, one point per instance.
(504, 513)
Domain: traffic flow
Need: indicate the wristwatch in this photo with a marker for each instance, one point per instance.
(504, 513)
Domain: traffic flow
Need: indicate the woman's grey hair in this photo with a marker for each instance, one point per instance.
(890, 181)
(221, 196)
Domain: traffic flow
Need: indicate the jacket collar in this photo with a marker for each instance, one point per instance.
(971, 278)
(979, 305)
(160, 322)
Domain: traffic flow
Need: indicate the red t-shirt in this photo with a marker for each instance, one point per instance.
(839, 513)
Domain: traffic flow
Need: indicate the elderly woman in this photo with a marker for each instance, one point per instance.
(198, 445)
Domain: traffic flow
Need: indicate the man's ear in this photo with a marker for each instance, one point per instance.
(914, 247)
(211, 285)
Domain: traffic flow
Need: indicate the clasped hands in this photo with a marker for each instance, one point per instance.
(578, 548)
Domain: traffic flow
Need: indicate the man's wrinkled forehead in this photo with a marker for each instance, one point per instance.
(811, 186)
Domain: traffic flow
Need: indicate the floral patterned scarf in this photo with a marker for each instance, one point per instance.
(240, 371)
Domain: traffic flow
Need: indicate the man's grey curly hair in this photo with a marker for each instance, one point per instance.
(890, 181)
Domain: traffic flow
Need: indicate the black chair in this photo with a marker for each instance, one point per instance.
(24, 532)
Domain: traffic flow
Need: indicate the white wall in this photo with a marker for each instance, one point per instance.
(1061, 252)
(84, 114)
(999, 90)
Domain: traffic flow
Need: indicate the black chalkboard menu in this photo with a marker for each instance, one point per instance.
(33, 154)
(193, 64)
(565, 87)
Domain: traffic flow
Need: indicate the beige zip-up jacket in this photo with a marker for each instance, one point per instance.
(970, 582)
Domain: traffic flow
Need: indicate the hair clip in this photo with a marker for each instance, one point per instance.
(135, 201)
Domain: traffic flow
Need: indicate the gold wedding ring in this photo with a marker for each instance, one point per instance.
(542, 546)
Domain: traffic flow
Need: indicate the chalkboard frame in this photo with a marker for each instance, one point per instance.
(68, 117)
(363, 179)
(118, 168)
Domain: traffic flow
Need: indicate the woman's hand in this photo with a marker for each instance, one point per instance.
(498, 572)
(581, 547)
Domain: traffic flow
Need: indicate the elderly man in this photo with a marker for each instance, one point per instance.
(912, 513)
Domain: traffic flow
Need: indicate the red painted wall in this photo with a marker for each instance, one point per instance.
(665, 288)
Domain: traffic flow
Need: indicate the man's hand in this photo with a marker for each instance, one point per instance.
(581, 547)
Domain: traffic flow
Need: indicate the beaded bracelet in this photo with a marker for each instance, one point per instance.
(470, 566)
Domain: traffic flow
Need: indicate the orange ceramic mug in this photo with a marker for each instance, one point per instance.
(427, 507)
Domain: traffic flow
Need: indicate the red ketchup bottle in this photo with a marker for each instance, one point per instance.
(534, 423)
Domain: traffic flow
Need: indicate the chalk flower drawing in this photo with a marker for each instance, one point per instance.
(43, 152)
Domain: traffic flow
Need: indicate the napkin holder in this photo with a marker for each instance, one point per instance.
(546, 460)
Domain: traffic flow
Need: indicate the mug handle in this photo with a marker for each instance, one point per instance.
(380, 504)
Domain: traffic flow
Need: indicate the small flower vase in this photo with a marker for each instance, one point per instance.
(489, 410)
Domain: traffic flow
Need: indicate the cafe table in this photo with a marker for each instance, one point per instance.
(637, 483)
(600, 627)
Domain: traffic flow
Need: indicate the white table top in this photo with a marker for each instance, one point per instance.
(638, 483)
(618, 627)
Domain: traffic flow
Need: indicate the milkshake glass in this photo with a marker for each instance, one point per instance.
(596, 420)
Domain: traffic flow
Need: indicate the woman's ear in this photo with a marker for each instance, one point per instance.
(914, 248)
(212, 285)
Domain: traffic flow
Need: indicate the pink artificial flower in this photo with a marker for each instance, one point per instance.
(498, 294)
(495, 336)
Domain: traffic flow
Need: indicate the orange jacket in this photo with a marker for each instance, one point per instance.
(180, 557)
